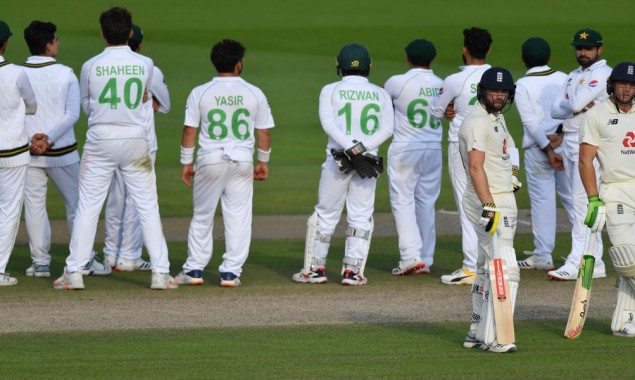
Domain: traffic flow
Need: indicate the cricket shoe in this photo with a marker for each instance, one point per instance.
(193, 277)
(110, 260)
(317, 275)
(95, 268)
(534, 263)
(38, 270)
(161, 281)
(627, 330)
(567, 272)
(471, 341)
(229, 280)
(459, 277)
(408, 266)
(351, 278)
(499, 348)
(424, 270)
(6, 280)
(70, 281)
(130, 265)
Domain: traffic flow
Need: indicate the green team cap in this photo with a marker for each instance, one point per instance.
(536, 49)
(354, 57)
(5, 32)
(421, 52)
(587, 37)
(137, 36)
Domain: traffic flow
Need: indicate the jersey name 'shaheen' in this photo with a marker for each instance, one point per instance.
(232, 100)
(358, 95)
(120, 70)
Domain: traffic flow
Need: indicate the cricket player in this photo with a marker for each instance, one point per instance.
(542, 137)
(585, 88)
(233, 117)
(53, 146)
(357, 117)
(123, 242)
(608, 134)
(489, 200)
(455, 101)
(113, 87)
(16, 99)
(415, 159)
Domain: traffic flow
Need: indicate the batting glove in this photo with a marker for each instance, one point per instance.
(515, 181)
(343, 163)
(596, 214)
(490, 217)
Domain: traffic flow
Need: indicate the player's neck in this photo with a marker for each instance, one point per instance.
(622, 107)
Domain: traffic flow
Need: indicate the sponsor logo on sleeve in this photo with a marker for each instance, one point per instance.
(593, 83)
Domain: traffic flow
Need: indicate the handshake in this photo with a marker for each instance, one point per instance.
(357, 158)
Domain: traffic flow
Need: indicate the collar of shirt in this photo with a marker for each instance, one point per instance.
(39, 59)
(420, 70)
(538, 69)
(355, 78)
(1, 58)
(475, 67)
(593, 66)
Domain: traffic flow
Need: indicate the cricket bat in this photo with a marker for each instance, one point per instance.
(500, 297)
(582, 293)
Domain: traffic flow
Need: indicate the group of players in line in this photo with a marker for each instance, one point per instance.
(564, 119)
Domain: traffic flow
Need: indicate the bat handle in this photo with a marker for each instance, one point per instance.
(495, 253)
(590, 244)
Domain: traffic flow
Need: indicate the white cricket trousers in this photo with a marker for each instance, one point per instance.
(123, 237)
(580, 232)
(36, 217)
(542, 183)
(12, 182)
(415, 184)
(458, 177)
(100, 159)
(231, 183)
(335, 190)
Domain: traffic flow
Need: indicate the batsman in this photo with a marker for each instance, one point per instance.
(608, 134)
(358, 117)
(489, 157)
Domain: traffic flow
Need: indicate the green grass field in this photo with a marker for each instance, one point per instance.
(291, 55)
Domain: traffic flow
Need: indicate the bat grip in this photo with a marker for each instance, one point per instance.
(495, 252)
(590, 243)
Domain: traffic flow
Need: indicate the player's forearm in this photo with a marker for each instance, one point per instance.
(481, 185)
(264, 139)
(188, 139)
(587, 169)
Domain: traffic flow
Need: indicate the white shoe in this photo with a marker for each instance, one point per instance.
(128, 265)
(408, 266)
(70, 281)
(95, 268)
(317, 275)
(626, 330)
(471, 341)
(459, 277)
(6, 280)
(534, 263)
(193, 277)
(38, 270)
(110, 260)
(351, 278)
(499, 348)
(567, 272)
(229, 280)
(163, 281)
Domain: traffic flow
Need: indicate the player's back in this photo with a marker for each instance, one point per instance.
(12, 107)
(112, 88)
(412, 94)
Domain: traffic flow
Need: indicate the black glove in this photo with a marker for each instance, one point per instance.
(365, 164)
(342, 161)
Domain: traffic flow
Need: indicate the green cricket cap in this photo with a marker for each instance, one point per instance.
(421, 52)
(5, 32)
(137, 36)
(587, 37)
(354, 57)
(536, 50)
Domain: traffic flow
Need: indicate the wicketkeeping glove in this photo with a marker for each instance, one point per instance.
(490, 217)
(515, 181)
(596, 214)
(365, 164)
(343, 163)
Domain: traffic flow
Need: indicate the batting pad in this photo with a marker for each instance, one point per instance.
(513, 272)
(315, 242)
(624, 315)
(486, 331)
(623, 257)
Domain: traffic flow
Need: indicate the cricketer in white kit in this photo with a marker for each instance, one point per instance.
(16, 99)
(415, 159)
(113, 86)
(123, 242)
(230, 113)
(455, 101)
(585, 87)
(535, 93)
(357, 117)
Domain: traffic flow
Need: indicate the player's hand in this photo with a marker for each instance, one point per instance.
(343, 163)
(450, 113)
(490, 218)
(155, 105)
(515, 181)
(596, 214)
(39, 144)
(261, 171)
(187, 174)
(555, 160)
(365, 164)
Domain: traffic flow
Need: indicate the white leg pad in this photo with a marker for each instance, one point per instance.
(623, 322)
(486, 331)
(314, 240)
(477, 297)
(357, 244)
(623, 257)
(513, 272)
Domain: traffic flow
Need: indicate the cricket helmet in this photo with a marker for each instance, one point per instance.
(622, 72)
(354, 57)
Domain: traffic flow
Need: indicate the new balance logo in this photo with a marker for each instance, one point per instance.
(629, 140)
(613, 122)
